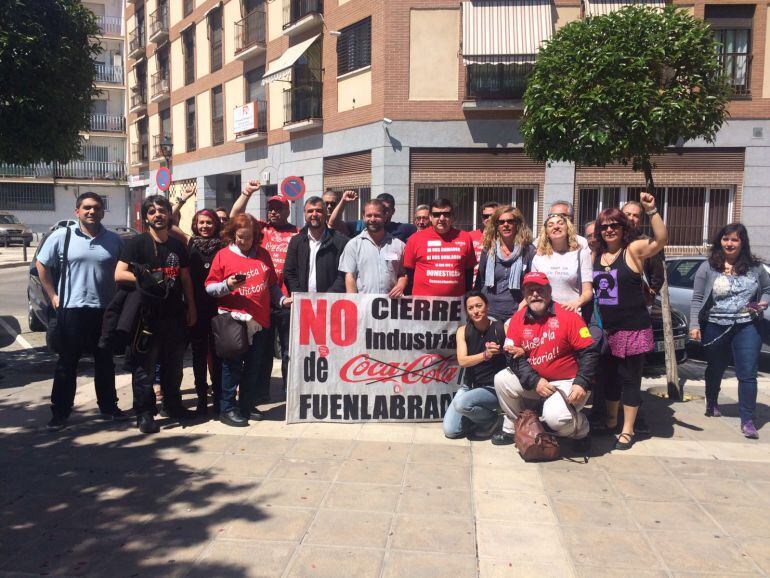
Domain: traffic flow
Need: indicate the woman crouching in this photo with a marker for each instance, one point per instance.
(243, 280)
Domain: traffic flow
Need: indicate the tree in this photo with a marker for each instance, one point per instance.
(621, 88)
(47, 51)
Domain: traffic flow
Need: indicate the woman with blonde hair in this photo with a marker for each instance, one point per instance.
(567, 265)
(506, 255)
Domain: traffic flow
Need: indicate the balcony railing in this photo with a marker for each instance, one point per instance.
(294, 10)
(499, 81)
(108, 123)
(110, 25)
(250, 31)
(302, 102)
(136, 41)
(157, 141)
(140, 153)
(160, 85)
(138, 99)
(159, 23)
(109, 74)
(90, 170)
(736, 67)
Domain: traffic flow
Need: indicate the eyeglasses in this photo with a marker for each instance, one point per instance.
(439, 214)
(421, 218)
(613, 226)
(562, 215)
(330, 204)
(506, 222)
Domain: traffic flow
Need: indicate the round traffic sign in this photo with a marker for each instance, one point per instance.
(293, 188)
(163, 178)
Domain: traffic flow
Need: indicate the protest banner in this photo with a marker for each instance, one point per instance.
(358, 357)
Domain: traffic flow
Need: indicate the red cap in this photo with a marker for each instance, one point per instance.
(280, 199)
(536, 278)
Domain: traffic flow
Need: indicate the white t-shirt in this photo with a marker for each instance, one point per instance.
(314, 246)
(565, 272)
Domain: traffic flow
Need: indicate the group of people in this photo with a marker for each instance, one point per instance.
(532, 304)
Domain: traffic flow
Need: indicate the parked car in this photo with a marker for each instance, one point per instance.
(13, 230)
(679, 322)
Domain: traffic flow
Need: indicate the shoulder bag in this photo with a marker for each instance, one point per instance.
(53, 334)
(533, 442)
(231, 339)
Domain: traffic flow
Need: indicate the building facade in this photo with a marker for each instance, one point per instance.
(43, 194)
(418, 98)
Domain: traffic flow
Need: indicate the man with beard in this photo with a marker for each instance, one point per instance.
(313, 255)
(373, 262)
(160, 263)
(401, 231)
(559, 353)
(276, 234)
(422, 217)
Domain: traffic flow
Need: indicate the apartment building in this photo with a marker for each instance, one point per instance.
(40, 195)
(418, 98)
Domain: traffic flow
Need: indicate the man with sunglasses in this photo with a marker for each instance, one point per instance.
(487, 210)
(439, 261)
(331, 200)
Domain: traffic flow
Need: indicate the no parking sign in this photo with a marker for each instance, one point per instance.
(293, 188)
(163, 178)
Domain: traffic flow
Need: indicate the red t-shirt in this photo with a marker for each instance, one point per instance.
(253, 297)
(439, 262)
(276, 242)
(551, 341)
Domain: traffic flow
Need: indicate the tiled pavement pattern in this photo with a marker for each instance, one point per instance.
(377, 500)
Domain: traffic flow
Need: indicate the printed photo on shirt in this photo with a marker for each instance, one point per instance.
(606, 283)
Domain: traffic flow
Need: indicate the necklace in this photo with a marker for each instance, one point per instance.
(608, 266)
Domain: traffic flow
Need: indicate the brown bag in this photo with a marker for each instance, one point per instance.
(533, 442)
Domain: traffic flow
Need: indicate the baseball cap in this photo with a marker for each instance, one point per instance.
(536, 278)
(280, 199)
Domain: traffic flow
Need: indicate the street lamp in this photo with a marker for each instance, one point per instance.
(166, 149)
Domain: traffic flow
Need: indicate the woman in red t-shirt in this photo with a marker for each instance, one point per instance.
(243, 280)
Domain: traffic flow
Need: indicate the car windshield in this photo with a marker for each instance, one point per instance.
(9, 220)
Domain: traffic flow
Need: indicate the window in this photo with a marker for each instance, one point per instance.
(165, 121)
(95, 153)
(98, 107)
(217, 116)
(215, 39)
(499, 80)
(254, 89)
(187, 7)
(26, 197)
(467, 200)
(105, 203)
(693, 215)
(681, 272)
(354, 47)
(188, 49)
(190, 123)
(732, 25)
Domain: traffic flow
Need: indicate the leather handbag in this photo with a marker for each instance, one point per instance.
(53, 331)
(533, 442)
(231, 339)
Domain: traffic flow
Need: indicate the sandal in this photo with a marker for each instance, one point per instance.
(624, 445)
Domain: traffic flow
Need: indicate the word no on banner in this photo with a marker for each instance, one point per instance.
(358, 358)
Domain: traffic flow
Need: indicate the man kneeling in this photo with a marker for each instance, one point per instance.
(474, 408)
(559, 353)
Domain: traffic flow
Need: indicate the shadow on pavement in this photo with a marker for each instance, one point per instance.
(100, 499)
(7, 339)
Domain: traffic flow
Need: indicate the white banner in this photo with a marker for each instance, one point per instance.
(358, 358)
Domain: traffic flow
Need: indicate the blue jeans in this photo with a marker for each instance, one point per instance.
(246, 373)
(471, 409)
(744, 342)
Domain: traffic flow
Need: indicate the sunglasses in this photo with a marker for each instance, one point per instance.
(506, 222)
(439, 214)
(613, 226)
(562, 215)
(485, 217)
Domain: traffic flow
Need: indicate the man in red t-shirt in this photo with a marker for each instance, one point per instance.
(559, 353)
(439, 260)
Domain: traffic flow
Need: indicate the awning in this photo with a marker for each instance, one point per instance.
(602, 7)
(502, 31)
(280, 69)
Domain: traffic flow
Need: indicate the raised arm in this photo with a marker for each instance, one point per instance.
(189, 191)
(645, 248)
(336, 221)
(239, 206)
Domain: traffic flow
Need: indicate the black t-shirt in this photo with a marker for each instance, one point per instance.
(169, 257)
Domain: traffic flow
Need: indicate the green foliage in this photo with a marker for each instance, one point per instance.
(622, 87)
(47, 50)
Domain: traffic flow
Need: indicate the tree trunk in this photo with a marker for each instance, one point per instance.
(672, 373)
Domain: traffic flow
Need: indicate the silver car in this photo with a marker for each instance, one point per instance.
(13, 231)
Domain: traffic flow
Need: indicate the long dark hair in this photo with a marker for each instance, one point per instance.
(211, 215)
(746, 260)
(614, 214)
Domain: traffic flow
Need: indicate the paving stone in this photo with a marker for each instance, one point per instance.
(608, 513)
(387, 432)
(681, 516)
(294, 493)
(519, 480)
(437, 476)
(318, 449)
(214, 443)
(247, 559)
(323, 470)
(589, 485)
(401, 564)
(750, 471)
(538, 544)
(440, 500)
(441, 454)
(261, 445)
(338, 431)
(601, 572)
(699, 552)
(631, 465)
(371, 472)
(690, 468)
(515, 569)
(381, 451)
(609, 548)
(714, 491)
(651, 488)
(254, 466)
(349, 528)
(741, 521)
(372, 497)
(507, 506)
(325, 562)
(758, 551)
(272, 523)
(434, 533)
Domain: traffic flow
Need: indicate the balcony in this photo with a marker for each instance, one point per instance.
(301, 15)
(250, 35)
(159, 24)
(140, 154)
(136, 42)
(302, 106)
(138, 101)
(250, 121)
(110, 25)
(159, 142)
(73, 170)
(108, 74)
(160, 86)
(736, 66)
(108, 123)
(497, 86)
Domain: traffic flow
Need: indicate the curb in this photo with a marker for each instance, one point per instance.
(14, 264)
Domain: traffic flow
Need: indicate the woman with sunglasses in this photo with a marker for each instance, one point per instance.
(617, 268)
(565, 262)
(730, 292)
(506, 255)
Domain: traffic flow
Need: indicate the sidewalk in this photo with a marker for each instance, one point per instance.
(376, 499)
(13, 256)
